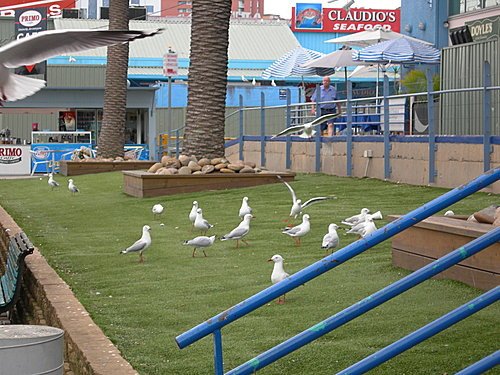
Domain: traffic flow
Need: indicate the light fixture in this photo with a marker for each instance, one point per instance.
(408, 28)
(422, 26)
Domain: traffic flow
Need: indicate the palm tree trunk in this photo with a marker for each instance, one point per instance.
(112, 136)
(207, 80)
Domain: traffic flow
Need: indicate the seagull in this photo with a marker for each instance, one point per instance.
(273, 83)
(243, 78)
(200, 223)
(245, 208)
(192, 214)
(157, 210)
(363, 229)
(297, 205)
(331, 239)
(72, 187)
(307, 128)
(200, 241)
(71, 59)
(299, 230)
(449, 213)
(353, 220)
(46, 44)
(376, 216)
(52, 183)
(278, 274)
(254, 82)
(141, 244)
(240, 231)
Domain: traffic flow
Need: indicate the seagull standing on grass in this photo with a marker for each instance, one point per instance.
(364, 228)
(200, 223)
(245, 208)
(52, 183)
(307, 128)
(157, 210)
(200, 241)
(355, 219)
(297, 205)
(46, 44)
(192, 213)
(278, 274)
(141, 244)
(331, 239)
(240, 231)
(300, 230)
(72, 187)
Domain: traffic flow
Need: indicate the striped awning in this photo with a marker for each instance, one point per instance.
(291, 63)
(401, 51)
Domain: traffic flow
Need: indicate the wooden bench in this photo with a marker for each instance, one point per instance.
(10, 281)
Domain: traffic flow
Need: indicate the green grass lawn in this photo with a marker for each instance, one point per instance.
(143, 307)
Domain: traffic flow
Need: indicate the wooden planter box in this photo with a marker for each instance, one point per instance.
(435, 237)
(74, 168)
(143, 184)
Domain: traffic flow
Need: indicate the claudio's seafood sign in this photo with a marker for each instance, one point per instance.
(312, 17)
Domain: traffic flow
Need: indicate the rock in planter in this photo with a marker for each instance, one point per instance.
(203, 162)
(218, 167)
(171, 163)
(184, 160)
(197, 172)
(173, 170)
(164, 171)
(235, 167)
(184, 170)
(216, 161)
(194, 166)
(155, 167)
(251, 164)
(206, 169)
(226, 170)
(247, 169)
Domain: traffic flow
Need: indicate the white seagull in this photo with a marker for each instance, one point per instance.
(300, 230)
(200, 223)
(200, 241)
(141, 244)
(297, 205)
(355, 219)
(363, 229)
(307, 128)
(331, 239)
(72, 187)
(46, 44)
(240, 231)
(449, 213)
(279, 273)
(157, 210)
(192, 213)
(52, 183)
(243, 78)
(245, 208)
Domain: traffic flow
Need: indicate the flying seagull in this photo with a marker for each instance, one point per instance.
(200, 241)
(47, 44)
(72, 187)
(297, 205)
(141, 244)
(278, 273)
(307, 128)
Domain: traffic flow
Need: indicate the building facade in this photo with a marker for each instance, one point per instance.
(239, 8)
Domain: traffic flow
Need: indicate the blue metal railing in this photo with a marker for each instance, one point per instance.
(482, 365)
(214, 324)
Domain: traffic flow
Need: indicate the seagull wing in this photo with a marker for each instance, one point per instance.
(290, 130)
(237, 233)
(294, 197)
(43, 45)
(314, 200)
(324, 118)
(137, 246)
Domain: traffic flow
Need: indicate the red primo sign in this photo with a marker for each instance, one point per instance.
(54, 7)
(333, 20)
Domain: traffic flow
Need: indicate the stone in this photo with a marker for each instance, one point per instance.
(194, 166)
(184, 159)
(164, 159)
(251, 164)
(155, 167)
(226, 170)
(184, 170)
(235, 167)
(197, 172)
(172, 163)
(216, 161)
(257, 170)
(160, 170)
(164, 171)
(173, 170)
(220, 166)
(193, 158)
(247, 169)
(209, 168)
(203, 161)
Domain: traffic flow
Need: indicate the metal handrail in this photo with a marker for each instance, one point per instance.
(214, 324)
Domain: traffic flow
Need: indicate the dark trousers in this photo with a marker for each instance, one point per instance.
(327, 111)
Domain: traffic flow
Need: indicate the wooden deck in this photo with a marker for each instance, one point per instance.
(437, 236)
(74, 168)
(143, 184)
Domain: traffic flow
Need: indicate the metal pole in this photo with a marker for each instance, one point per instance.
(368, 303)
(431, 129)
(177, 141)
(288, 150)
(317, 139)
(387, 141)
(337, 258)
(169, 108)
(349, 129)
(483, 365)
(219, 365)
(262, 129)
(241, 116)
(424, 333)
(487, 115)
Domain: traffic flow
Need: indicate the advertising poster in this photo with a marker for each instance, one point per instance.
(27, 23)
(308, 16)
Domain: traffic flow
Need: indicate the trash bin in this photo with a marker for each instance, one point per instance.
(29, 349)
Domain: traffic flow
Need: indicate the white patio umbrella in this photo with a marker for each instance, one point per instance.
(368, 37)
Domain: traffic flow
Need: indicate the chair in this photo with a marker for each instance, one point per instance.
(39, 158)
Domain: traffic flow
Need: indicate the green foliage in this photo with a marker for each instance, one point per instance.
(416, 81)
(143, 307)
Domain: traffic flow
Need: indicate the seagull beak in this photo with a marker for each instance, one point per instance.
(269, 260)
